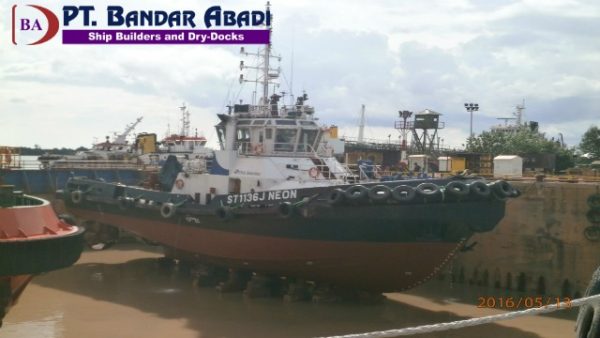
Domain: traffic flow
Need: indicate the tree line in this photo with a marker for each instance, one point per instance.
(527, 139)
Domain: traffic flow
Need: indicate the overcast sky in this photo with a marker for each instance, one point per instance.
(389, 55)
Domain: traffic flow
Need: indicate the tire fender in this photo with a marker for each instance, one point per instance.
(167, 210)
(379, 193)
(336, 197)
(356, 193)
(456, 190)
(404, 193)
(76, 196)
(480, 190)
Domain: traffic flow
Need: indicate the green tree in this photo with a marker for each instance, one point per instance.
(590, 142)
(520, 142)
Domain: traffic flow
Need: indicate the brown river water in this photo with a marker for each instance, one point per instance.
(123, 292)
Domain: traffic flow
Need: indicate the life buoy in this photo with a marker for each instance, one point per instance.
(179, 184)
(403, 193)
(480, 189)
(258, 149)
(336, 196)
(167, 210)
(313, 172)
(76, 196)
(356, 193)
(379, 193)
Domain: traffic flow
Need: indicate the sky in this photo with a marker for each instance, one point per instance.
(389, 55)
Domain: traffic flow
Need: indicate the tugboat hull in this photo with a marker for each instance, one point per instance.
(373, 266)
(371, 246)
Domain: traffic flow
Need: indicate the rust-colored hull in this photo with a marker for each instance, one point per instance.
(11, 288)
(374, 266)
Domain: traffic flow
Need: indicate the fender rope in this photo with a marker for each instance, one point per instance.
(473, 321)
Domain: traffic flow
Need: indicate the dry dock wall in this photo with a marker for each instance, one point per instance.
(540, 246)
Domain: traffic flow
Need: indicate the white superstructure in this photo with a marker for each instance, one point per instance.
(263, 146)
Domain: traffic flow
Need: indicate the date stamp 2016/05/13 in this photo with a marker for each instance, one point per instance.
(521, 302)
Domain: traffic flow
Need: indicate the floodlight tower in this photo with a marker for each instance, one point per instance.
(403, 126)
(471, 107)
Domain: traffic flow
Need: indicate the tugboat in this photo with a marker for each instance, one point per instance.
(32, 240)
(274, 200)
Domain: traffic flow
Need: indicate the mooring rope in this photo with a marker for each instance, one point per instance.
(473, 321)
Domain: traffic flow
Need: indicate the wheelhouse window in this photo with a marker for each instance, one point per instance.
(221, 135)
(307, 140)
(285, 122)
(242, 138)
(285, 139)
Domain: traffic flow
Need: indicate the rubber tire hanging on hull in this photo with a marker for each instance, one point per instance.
(480, 190)
(456, 190)
(501, 189)
(336, 197)
(286, 209)
(356, 193)
(76, 196)
(379, 193)
(429, 192)
(167, 210)
(404, 193)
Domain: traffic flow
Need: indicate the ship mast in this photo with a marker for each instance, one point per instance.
(267, 55)
(185, 120)
(265, 74)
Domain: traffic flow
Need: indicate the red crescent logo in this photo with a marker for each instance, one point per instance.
(52, 24)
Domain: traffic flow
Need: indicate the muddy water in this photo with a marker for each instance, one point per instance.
(123, 292)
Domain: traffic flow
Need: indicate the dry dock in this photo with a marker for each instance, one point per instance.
(123, 292)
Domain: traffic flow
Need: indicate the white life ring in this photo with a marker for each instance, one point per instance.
(179, 183)
(313, 172)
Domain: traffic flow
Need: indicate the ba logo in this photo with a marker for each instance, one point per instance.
(33, 26)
